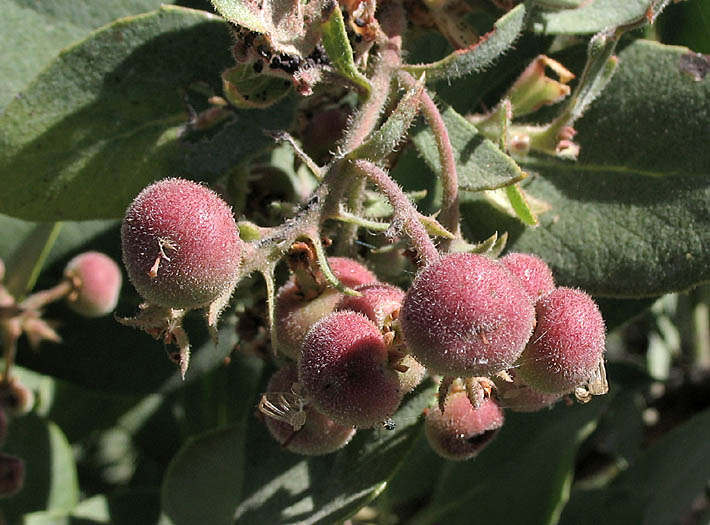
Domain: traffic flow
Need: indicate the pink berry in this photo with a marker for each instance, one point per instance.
(12, 475)
(567, 345)
(344, 371)
(181, 245)
(350, 272)
(97, 280)
(462, 431)
(466, 315)
(15, 398)
(318, 435)
(379, 302)
(532, 271)
(295, 314)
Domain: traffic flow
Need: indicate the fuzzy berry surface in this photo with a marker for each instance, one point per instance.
(466, 315)
(377, 302)
(99, 282)
(319, 435)
(534, 274)
(462, 431)
(568, 342)
(295, 314)
(201, 248)
(345, 372)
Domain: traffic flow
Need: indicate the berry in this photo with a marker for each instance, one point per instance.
(344, 370)
(379, 302)
(350, 272)
(295, 315)
(466, 315)
(97, 280)
(318, 435)
(462, 431)
(12, 475)
(533, 272)
(567, 345)
(181, 245)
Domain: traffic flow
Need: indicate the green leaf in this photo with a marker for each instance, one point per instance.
(23, 268)
(520, 205)
(629, 218)
(34, 32)
(531, 463)
(479, 56)
(285, 488)
(480, 164)
(248, 89)
(337, 46)
(112, 108)
(237, 12)
(206, 478)
(50, 472)
(392, 132)
(675, 466)
(592, 17)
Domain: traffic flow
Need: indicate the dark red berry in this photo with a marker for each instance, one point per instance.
(466, 315)
(462, 431)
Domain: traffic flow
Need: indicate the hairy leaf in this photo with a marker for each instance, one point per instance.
(337, 46)
(629, 218)
(480, 55)
(589, 18)
(34, 32)
(112, 108)
(479, 162)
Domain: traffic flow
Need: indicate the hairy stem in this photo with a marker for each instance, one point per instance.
(449, 216)
(406, 217)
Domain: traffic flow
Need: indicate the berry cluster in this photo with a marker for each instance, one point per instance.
(495, 333)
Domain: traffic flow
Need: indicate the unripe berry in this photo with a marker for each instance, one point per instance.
(12, 475)
(344, 371)
(318, 435)
(567, 345)
(462, 431)
(97, 279)
(533, 272)
(381, 302)
(466, 315)
(181, 245)
(295, 314)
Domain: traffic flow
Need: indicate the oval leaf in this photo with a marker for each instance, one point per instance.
(592, 17)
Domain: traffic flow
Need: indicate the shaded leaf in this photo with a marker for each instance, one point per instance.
(111, 108)
(34, 32)
(246, 88)
(50, 472)
(480, 55)
(206, 477)
(480, 164)
(285, 488)
(629, 219)
(675, 466)
(531, 462)
(590, 18)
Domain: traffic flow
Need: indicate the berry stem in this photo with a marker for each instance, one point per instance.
(405, 217)
(449, 216)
